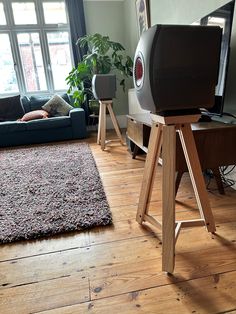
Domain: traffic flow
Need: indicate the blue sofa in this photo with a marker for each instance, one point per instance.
(51, 129)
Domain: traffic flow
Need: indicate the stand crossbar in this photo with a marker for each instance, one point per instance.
(163, 137)
(101, 138)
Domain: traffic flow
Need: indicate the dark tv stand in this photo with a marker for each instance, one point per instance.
(215, 143)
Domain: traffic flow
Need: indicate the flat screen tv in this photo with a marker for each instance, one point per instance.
(222, 17)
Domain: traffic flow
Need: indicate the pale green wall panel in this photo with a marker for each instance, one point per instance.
(107, 18)
(131, 26)
(104, 17)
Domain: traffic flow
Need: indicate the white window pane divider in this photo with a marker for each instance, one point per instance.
(17, 62)
(46, 61)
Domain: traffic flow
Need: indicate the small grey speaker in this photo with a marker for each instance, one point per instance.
(104, 86)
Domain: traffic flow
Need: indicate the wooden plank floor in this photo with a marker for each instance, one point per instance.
(117, 269)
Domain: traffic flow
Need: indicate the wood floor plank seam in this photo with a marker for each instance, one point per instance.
(228, 312)
(62, 307)
(87, 270)
(41, 254)
(35, 282)
(77, 248)
(169, 284)
(153, 234)
(136, 292)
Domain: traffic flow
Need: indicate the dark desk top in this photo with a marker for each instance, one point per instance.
(145, 118)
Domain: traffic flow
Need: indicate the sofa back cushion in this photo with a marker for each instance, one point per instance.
(25, 103)
(11, 108)
(37, 102)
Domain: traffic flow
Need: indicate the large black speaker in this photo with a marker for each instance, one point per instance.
(176, 68)
(104, 86)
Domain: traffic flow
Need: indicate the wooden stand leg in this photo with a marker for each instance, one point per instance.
(168, 198)
(115, 123)
(195, 171)
(154, 148)
(99, 125)
(102, 112)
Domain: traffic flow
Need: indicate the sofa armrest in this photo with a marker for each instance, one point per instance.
(77, 116)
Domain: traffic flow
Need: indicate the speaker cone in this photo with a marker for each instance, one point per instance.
(138, 71)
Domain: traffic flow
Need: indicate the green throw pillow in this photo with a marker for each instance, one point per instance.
(57, 107)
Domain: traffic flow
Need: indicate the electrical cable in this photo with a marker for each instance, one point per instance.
(229, 114)
(224, 171)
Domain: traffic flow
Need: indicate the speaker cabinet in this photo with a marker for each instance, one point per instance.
(176, 68)
(104, 86)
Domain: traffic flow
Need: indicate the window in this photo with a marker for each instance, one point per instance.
(32, 61)
(8, 81)
(54, 12)
(35, 50)
(60, 56)
(24, 13)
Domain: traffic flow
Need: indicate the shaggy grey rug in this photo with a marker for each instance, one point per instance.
(49, 189)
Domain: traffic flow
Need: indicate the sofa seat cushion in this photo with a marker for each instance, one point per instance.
(50, 123)
(11, 108)
(12, 126)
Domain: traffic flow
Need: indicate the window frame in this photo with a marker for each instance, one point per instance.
(42, 28)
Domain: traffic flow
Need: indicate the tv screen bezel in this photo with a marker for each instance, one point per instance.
(226, 11)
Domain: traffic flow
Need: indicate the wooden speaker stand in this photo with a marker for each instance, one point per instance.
(163, 137)
(101, 138)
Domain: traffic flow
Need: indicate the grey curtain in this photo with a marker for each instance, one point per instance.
(75, 9)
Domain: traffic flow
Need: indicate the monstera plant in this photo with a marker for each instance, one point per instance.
(103, 56)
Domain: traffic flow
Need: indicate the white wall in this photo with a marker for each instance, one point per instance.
(131, 26)
(107, 18)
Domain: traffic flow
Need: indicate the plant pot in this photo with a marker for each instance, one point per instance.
(94, 107)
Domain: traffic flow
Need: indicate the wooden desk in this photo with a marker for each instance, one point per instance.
(215, 141)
